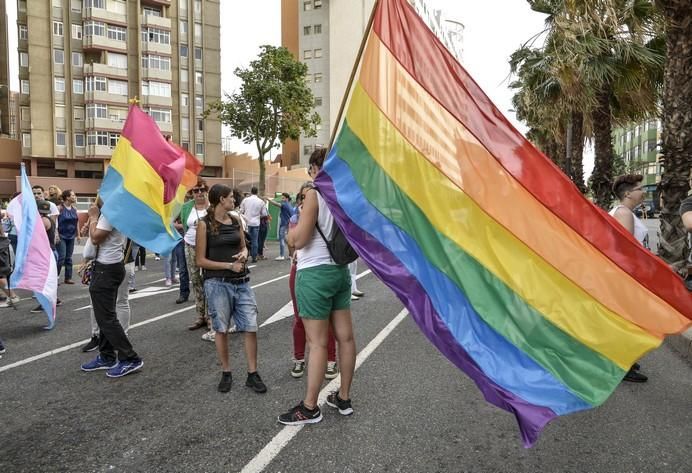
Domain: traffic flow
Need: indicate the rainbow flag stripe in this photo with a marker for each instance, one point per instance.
(534, 292)
(145, 184)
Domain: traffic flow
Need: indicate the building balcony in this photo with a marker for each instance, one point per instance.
(165, 127)
(156, 101)
(156, 2)
(156, 22)
(98, 151)
(156, 48)
(97, 69)
(105, 43)
(103, 124)
(99, 96)
(156, 74)
(101, 14)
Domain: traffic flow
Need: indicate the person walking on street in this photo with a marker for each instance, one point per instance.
(221, 252)
(285, 213)
(68, 221)
(116, 354)
(252, 208)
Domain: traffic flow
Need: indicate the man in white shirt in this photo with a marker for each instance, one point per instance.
(253, 208)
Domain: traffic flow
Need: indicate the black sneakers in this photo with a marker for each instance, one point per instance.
(92, 345)
(344, 406)
(255, 382)
(634, 376)
(300, 415)
(226, 381)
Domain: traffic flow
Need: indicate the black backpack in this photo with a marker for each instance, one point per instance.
(339, 248)
(6, 257)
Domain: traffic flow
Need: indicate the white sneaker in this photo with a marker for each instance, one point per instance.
(210, 336)
(354, 297)
(168, 282)
(280, 258)
(5, 304)
(358, 293)
(157, 258)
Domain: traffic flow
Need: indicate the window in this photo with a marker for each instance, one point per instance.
(307, 30)
(77, 59)
(78, 113)
(79, 140)
(78, 86)
(307, 5)
(185, 124)
(183, 50)
(23, 32)
(117, 60)
(117, 33)
(186, 145)
(198, 32)
(21, 6)
(317, 53)
(199, 103)
(57, 28)
(183, 27)
(24, 86)
(25, 114)
(156, 62)
(159, 89)
(184, 100)
(117, 87)
(26, 140)
(94, 28)
(96, 83)
(152, 11)
(200, 125)
(59, 138)
(23, 59)
(58, 56)
(76, 6)
(155, 35)
(318, 101)
(199, 79)
(76, 31)
(117, 6)
(161, 116)
(183, 76)
(95, 4)
(199, 149)
(307, 149)
(318, 29)
(198, 7)
(99, 138)
(182, 7)
(318, 77)
(198, 54)
(113, 139)
(117, 114)
(307, 54)
(60, 84)
(57, 3)
(59, 111)
(318, 4)
(96, 110)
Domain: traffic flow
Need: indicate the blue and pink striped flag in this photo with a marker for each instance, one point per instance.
(35, 267)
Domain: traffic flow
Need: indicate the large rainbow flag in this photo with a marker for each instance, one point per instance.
(535, 293)
(146, 182)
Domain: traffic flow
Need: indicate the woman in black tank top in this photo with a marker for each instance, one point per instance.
(221, 252)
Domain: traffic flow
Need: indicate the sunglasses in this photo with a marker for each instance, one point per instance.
(198, 190)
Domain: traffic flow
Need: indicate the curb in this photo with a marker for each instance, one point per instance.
(682, 344)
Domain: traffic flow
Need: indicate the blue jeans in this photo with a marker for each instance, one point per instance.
(65, 250)
(227, 301)
(283, 231)
(254, 238)
(178, 256)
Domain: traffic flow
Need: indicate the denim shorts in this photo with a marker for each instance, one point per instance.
(226, 301)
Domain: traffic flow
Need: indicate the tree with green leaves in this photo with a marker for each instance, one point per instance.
(274, 103)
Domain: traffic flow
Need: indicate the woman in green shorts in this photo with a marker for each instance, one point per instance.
(323, 292)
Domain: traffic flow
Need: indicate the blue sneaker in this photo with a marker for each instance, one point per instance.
(2, 347)
(99, 363)
(124, 368)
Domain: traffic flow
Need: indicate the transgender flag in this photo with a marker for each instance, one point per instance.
(35, 267)
(541, 298)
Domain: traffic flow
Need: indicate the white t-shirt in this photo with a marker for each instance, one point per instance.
(315, 252)
(253, 207)
(53, 210)
(641, 231)
(112, 249)
(192, 219)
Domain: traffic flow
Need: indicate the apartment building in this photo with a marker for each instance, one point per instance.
(5, 105)
(326, 35)
(80, 61)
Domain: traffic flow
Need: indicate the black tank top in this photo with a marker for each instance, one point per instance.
(51, 233)
(222, 247)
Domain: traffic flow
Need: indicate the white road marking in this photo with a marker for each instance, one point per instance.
(274, 447)
(141, 293)
(287, 310)
(139, 324)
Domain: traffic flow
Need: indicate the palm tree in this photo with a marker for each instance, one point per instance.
(677, 126)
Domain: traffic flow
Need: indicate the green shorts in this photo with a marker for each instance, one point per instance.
(322, 289)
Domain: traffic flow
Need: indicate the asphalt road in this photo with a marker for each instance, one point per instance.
(414, 411)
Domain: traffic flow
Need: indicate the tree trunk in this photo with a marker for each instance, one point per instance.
(577, 155)
(677, 128)
(602, 178)
(260, 184)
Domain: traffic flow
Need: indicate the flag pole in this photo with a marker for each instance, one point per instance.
(353, 73)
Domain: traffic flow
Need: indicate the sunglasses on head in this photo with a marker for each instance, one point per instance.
(198, 190)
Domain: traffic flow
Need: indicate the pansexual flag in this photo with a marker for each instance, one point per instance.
(145, 184)
(531, 290)
(35, 268)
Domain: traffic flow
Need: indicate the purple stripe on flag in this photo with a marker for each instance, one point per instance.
(386, 266)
